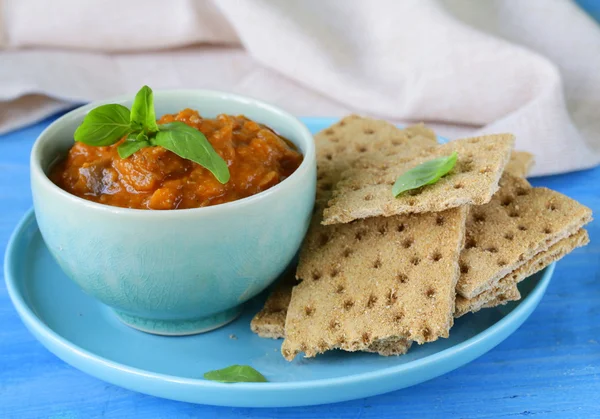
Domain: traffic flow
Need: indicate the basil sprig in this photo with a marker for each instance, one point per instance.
(236, 374)
(108, 124)
(426, 173)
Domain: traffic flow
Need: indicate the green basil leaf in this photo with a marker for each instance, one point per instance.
(191, 144)
(127, 148)
(426, 173)
(142, 110)
(236, 374)
(104, 125)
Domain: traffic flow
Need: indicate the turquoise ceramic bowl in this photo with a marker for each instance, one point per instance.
(176, 272)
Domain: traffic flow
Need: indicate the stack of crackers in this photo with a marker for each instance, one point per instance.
(378, 272)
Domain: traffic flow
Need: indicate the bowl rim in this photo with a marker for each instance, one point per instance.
(309, 155)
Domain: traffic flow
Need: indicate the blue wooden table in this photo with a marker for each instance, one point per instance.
(549, 368)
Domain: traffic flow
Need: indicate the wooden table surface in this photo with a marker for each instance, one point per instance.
(550, 367)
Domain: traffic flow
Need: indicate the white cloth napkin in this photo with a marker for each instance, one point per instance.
(526, 67)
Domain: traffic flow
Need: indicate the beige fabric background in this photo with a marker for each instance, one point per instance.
(466, 66)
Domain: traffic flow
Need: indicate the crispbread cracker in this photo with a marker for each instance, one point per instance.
(337, 147)
(506, 289)
(519, 222)
(366, 190)
(353, 137)
(375, 280)
(269, 322)
(520, 163)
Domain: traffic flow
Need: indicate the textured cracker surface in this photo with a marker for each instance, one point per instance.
(519, 222)
(506, 289)
(520, 163)
(269, 322)
(337, 147)
(376, 279)
(354, 137)
(366, 189)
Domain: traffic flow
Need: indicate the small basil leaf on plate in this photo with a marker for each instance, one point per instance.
(128, 147)
(426, 173)
(236, 374)
(104, 125)
(142, 110)
(189, 143)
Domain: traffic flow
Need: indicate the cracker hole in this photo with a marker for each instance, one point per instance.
(329, 131)
(336, 140)
(347, 252)
(309, 311)
(464, 268)
(470, 243)
(340, 289)
(436, 256)
(502, 263)
(377, 263)
(382, 229)
(323, 239)
(368, 197)
(513, 214)
(522, 228)
(371, 301)
(400, 228)
(506, 201)
(551, 206)
(342, 123)
(326, 186)
(402, 278)
(316, 275)
(391, 297)
(407, 243)
(547, 230)
(509, 236)
(426, 333)
(303, 347)
(479, 217)
(329, 156)
(368, 131)
(361, 148)
(334, 325)
(458, 186)
(485, 170)
(348, 304)
(474, 140)
(334, 272)
(522, 192)
(492, 249)
(439, 220)
(321, 176)
(366, 338)
(412, 202)
(360, 234)
(398, 316)
(415, 261)
(430, 293)
(396, 142)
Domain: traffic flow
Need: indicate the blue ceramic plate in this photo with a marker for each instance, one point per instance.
(87, 335)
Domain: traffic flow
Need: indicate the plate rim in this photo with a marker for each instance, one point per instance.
(45, 334)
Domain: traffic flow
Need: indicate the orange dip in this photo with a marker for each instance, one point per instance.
(155, 178)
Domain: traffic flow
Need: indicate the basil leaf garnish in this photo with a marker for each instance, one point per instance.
(104, 125)
(236, 374)
(142, 110)
(426, 173)
(107, 124)
(128, 147)
(189, 143)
